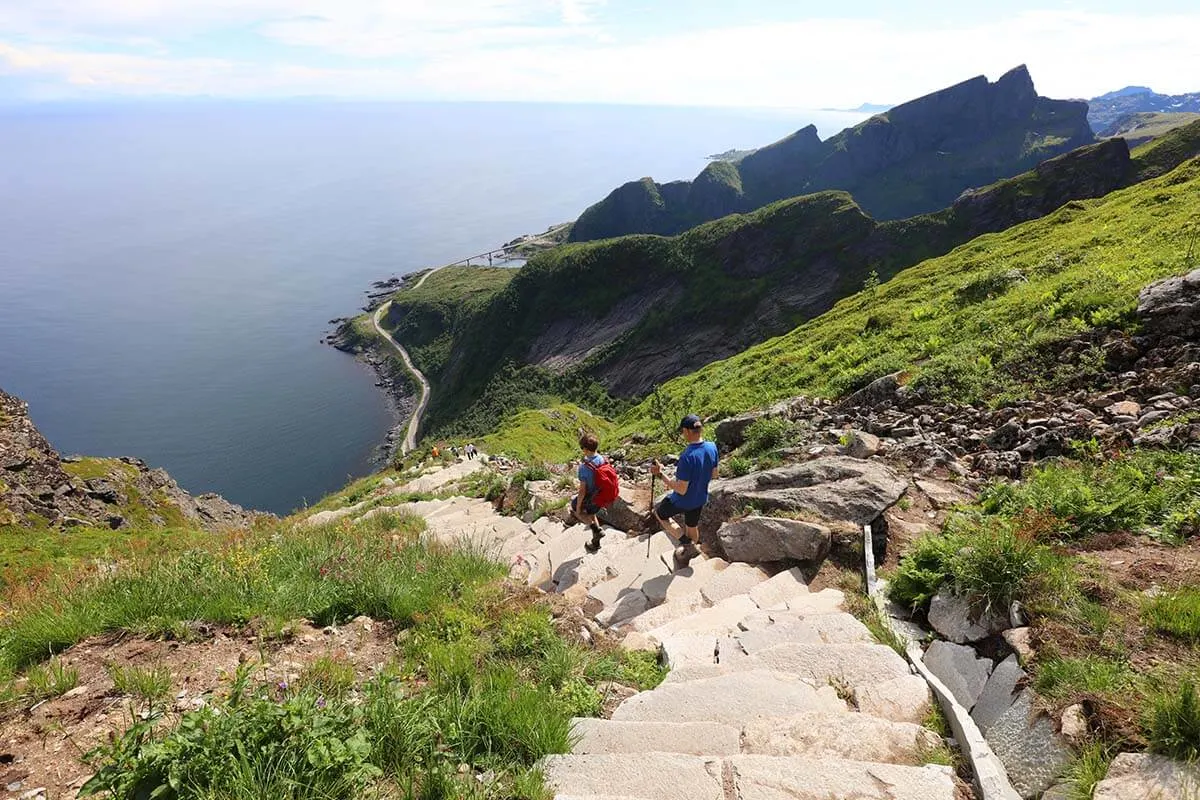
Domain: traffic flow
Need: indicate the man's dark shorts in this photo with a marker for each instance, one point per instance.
(589, 507)
(667, 509)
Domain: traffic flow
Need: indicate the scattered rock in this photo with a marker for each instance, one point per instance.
(1171, 306)
(953, 617)
(1019, 639)
(862, 445)
(1005, 464)
(1125, 408)
(759, 540)
(1073, 724)
(944, 495)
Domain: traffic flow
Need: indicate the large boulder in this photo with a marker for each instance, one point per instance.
(758, 540)
(1138, 776)
(881, 391)
(1172, 306)
(838, 490)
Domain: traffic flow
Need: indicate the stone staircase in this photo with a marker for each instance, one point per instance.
(774, 693)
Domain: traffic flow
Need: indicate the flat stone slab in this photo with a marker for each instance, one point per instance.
(1141, 776)
(905, 699)
(1033, 754)
(669, 585)
(693, 738)
(689, 648)
(664, 776)
(817, 629)
(732, 699)
(721, 619)
(735, 579)
(826, 601)
(757, 777)
(855, 736)
(443, 477)
(780, 588)
(960, 669)
(844, 665)
(624, 608)
(998, 693)
(661, 615)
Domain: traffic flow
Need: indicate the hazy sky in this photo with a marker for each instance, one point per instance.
(789, 53)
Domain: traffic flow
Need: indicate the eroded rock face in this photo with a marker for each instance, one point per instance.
(1135, 776)
(34, 485)
(32, 480)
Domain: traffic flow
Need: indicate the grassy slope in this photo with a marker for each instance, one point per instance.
(960, 320)
(548, 435)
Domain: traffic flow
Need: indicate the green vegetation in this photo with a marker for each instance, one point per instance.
(1079, 268)
(1145, 126)
(546, 435)
(52, 679)
(147, 683)
(1175, 722)
(1089, 768)
(1176, 613)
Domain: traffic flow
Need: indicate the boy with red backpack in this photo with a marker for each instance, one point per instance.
(598, 488)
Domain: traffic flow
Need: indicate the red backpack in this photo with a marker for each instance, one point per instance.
(607, 486)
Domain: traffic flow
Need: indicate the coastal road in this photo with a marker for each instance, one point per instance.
(414, 424)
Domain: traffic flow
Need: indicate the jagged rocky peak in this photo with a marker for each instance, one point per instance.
(914, 159)
(38, 487)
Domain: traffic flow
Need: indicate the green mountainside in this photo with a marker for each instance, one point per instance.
(913, 159)
(983, 323)
(594, 320)
(1139, 128)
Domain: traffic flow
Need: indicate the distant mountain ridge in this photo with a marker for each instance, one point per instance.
(914, 159)
(1107, 109)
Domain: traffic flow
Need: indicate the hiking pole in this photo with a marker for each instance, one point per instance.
(650, 535)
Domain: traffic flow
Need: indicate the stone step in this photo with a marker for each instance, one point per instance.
(733, 699)
(837, 628)
(721, 619)
(905, 699)
(851, 735)
(693, 738)
(844, 666)
(758, 777)
(779, 588)
(672, 585)
(735, 579)
(654, 776)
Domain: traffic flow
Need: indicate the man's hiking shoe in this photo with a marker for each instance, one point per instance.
(684, 555)
(594, 545)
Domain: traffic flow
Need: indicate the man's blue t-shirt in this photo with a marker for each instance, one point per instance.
(695, 466)
(588, 475)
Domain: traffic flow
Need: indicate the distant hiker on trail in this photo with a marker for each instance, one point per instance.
(689, 490)
(598, 488)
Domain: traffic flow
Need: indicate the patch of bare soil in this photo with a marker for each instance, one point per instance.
(42, 747)
(1140, 564)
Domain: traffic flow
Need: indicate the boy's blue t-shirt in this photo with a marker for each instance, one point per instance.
(588, 475)
(695, 466)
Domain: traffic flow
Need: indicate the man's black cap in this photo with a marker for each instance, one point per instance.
(691, 422)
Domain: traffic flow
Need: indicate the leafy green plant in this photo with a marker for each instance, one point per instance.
(737, 466)
(580, 698)
(148, 683)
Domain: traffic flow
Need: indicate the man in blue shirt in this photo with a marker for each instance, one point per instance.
(689, 490)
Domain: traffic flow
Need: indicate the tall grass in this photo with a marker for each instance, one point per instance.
(326, 575)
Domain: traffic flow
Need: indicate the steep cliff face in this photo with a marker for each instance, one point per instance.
(913, 159)
(39, 488)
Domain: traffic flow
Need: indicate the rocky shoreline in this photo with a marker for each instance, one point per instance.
(390, 374)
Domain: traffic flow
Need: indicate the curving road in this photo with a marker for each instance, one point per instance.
(414, 424)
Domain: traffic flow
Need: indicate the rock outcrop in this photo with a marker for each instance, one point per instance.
(37, 486)
(970, 134)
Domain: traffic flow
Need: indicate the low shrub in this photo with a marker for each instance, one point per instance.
(737, 466)
(765, 435)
